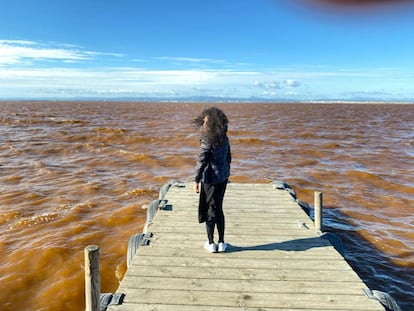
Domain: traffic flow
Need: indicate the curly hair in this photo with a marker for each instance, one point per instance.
(216, 128)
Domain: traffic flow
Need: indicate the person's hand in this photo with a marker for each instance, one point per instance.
(196, 187)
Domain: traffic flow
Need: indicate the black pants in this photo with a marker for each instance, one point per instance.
(211, 197)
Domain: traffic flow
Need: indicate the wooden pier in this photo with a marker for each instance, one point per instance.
(276, 260)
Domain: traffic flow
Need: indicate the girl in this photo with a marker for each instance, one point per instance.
(212, 171)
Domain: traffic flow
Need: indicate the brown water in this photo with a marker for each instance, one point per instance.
(74, 174)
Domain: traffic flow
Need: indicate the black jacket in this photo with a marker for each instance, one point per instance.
(213, 163)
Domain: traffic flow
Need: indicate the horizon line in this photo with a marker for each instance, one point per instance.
(201, 100)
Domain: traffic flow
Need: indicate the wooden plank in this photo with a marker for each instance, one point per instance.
(174, 307)
(275, 260)
(173, 249)
(245, 240)
(213, 260)
(249, 299)
(250, 273)
(254, 286)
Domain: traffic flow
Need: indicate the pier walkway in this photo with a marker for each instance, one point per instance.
(275, 260)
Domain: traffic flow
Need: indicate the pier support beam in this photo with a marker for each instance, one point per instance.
(92, 278)
(318, 211)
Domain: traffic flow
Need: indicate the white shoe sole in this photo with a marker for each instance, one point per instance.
(222, 247)
(211, 248)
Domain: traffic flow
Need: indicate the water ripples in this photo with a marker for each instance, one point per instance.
(79, 173)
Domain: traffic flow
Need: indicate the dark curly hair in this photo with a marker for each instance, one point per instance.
(216, 125)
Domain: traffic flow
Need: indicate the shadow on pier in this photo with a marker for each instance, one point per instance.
(292, 245)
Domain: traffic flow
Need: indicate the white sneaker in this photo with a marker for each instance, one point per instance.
(212, 248)
(222, 247)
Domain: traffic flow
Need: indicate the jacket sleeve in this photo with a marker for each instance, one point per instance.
(202, 160)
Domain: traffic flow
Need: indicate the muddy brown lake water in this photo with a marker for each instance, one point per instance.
(78, 173)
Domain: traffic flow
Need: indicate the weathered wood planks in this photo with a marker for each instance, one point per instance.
(275, 261)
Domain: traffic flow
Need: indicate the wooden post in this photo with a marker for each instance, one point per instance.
(318, 211)
(92, 278)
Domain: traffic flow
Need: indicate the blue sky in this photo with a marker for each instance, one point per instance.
(295, 50)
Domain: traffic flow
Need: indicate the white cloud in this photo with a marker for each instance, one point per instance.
(108, 82)
(59, 82)
(276, 85)
(32, 70)
(291, 83)
(267, 84)
(15, 52)
(191, 60)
